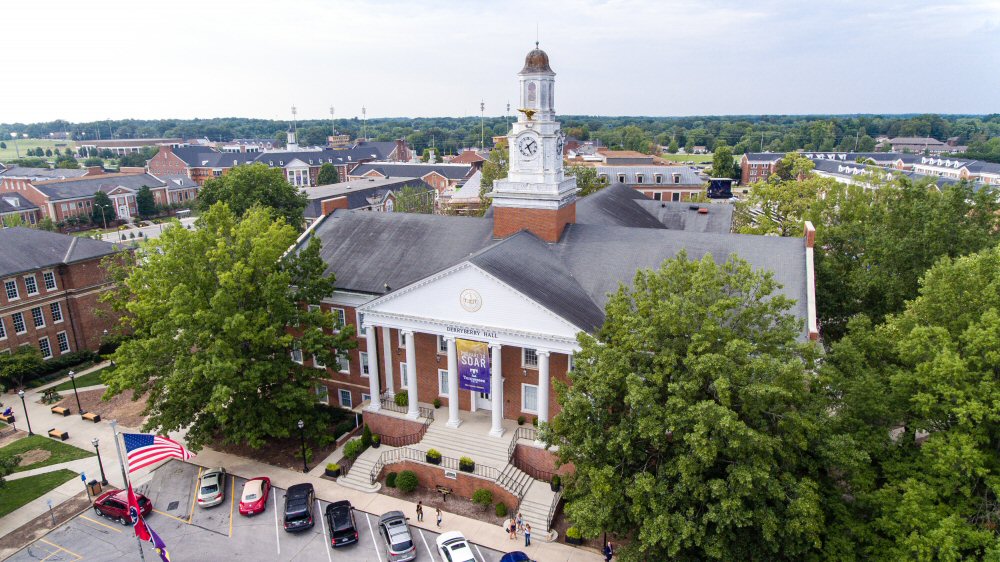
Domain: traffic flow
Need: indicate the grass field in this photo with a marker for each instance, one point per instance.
(19, 492)
(90, 379)
(696, 158)
(10, 153)
(59, 451)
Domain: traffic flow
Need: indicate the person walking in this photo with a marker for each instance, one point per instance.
(420, 511)
(609, 551)
(439, 516)
(512, 530)
(520, 523)
(527, 535)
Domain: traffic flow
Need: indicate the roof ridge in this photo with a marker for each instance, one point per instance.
(69, 251)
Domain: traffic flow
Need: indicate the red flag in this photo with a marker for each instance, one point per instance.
(135, 513)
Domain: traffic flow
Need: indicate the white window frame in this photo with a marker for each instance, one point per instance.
(365, 397)
(27, 287)
(402, 340)
(343, 362)
(322, 393)
(55, 309)
(569, 362)
(38, 321)
(296, 350)
(317, 364)
(60, 338)
(24, 326)
(340, 316)
(442, 348)
(443, 382)
(3, 330)
(45, 355)
(524, 358)
(524, 387)
(363, 356)
(7, 283)
(404, 377)
(46, 276)
(340, 395)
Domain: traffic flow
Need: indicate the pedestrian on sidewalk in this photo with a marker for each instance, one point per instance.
(520, 523)
(420, 511)
(512, 530)
(609, 551)
(527, 535)
(439, 517)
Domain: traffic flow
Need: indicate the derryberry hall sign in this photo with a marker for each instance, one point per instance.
(473, 365)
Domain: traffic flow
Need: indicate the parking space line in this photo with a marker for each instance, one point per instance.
(185, 521)
(197, 486)
(483, 558)
(423, 538)
(78, 557)
(372, 531)
(84, 517)
(319, 508)
(232, 503)
(277, 535)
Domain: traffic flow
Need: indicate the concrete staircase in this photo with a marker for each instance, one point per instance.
(359, 477)
(535, 508)
(455, 443)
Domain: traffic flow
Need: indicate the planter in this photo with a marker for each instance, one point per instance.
(433, 460)
(555, 485)
(571, 540)
(376, 444)
(332, 473)
(467, 467)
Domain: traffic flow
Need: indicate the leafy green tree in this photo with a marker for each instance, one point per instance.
(412, 199)
(17, 367)
(93, 161)
(67, 161)
(327, 174)
(782, 206)
(673, 147)
(919, 393)
(586, 179)
(30, 163)
(133, 160)
(246, 186)
(47, 224)
(216, 315)
(793, 166)
(723, 164)
(494, 168)
(104, 209)
(692, 424)
(145, 203)
(48, 152)
(3, 145)
(8, 463)
(10, 221)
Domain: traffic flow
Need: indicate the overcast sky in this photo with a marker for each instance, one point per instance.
(88, 60)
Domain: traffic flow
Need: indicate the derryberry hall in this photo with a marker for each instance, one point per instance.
(482, 313)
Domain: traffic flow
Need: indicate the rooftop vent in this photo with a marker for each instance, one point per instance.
(703, 211)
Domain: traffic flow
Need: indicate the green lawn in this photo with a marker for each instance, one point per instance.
(696, 158)
(90, 379)
(10, 153)
(19, 492)
(60, 452)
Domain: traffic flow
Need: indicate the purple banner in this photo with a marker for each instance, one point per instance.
(473, 365)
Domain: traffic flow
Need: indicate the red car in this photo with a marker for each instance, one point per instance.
(114, 505)
(254, 498)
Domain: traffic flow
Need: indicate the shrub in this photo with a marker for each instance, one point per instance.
(390, 480)
(437, 403)
(556, 481)
(309, 454)
(501, 510)
(520, 420)
(354, 448)
(483, 497)
(344, 427)
(402, 399)
(366, 436)
(407, 481)
(534, 421)
(434, 454)
(573, 533)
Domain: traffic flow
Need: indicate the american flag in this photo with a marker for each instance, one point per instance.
(145, 449)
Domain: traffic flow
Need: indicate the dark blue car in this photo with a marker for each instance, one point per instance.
(516, 556)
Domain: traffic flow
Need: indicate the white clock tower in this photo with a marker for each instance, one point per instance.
(535, 195)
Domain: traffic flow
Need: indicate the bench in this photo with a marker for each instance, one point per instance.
(58, 434)
(60, 411)
(91, 416)
(444, 491)
(7, 418)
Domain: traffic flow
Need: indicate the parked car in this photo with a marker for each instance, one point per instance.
(516, 556)
(113, 504)
(395, 532)
(299, 501)
(212, 490)
(255, 493)
(453, 547)
(343, 528)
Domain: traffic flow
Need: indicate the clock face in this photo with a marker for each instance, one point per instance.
(527, 146)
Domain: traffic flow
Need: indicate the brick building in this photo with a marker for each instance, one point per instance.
(14, 204)
(121, 147)
(660, 183)
(758, 166)
(441, 177)
(51, 286)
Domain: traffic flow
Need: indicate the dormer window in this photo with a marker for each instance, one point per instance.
(638, 178)
(621, 178)
(677, 178)
(658, 178)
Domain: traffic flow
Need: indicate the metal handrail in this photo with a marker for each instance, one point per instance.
(520, 433)
(552, 508)
(528, 433)
(407, 454)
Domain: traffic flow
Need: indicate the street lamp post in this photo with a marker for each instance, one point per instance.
(302, 435)
(20, 393)
(104, 480)
(16, 149)
(103, 218)
(72, 379)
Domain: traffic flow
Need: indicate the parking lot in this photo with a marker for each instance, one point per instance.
(217, 533)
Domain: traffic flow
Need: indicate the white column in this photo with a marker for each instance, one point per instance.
(390, 385)
(411, 375)
(543, 386)
(375, 404)
(453, 419)
(496, 391)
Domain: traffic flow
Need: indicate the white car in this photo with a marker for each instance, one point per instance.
(453, 547)
(212, 489)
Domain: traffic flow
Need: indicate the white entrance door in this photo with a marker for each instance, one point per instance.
(483, 401)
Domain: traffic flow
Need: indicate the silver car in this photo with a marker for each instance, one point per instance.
(395, 532)
(212, 490)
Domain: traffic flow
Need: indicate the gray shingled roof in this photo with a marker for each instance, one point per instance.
(12, 202)
(358, 192)
(42, 173)
(688, 176)
(87, 186)
(615, 205)
(27, 249)
(681, 216)
(388, 169)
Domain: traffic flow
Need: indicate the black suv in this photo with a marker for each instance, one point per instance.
(340, 517)
(299, 501)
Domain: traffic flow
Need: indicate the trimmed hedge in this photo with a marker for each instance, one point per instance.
(407, 481)
(390, 480)
(354, 448)
(402, 399)
(501, 510)
(483, 497)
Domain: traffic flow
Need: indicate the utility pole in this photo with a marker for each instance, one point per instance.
(762, 141)
(482, 126)
(16, 149)
(364, 122)
(857, 136)
(121, 462)
(333, 124)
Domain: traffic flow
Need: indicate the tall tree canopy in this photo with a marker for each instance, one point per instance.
(586, 179)
(413, 199)
(327, 174)
(692, 424)
(145, 203)
(494, 168)
(246, 186)
(104, 209)
(723, 164)
(211, 310)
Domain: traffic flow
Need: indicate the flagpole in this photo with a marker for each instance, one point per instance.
(123, 463)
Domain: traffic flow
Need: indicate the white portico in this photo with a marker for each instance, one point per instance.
(466, 302)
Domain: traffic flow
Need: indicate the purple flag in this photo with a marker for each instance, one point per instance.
(158, 544)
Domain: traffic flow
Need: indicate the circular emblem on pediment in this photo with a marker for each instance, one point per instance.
(471, 300)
